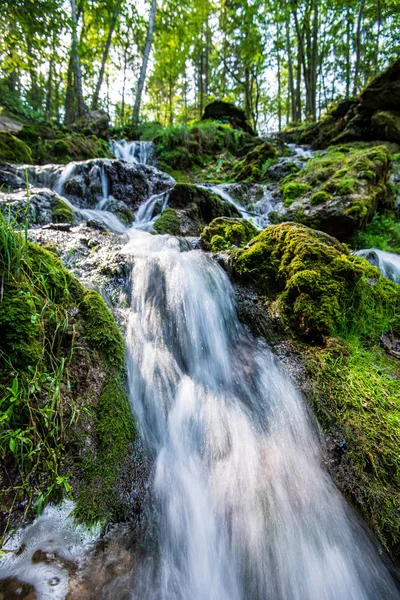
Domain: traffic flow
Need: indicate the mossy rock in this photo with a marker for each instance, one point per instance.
(340, 191)
(168, 222)
(13, 149)
(386, 125)
(68, 426)
(254, 165)
(197, 206)
(224, 234)
(62, 212)
(72, 146)
(319, 285)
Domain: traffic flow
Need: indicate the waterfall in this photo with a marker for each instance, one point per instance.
(387, 262)
(245, 509)
(258, 215)
(136, 151)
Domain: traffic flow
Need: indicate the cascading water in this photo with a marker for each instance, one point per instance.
(136, 151)
(387, 262)
(246, 511)
(258, 215)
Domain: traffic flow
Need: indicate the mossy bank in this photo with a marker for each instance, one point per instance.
(66, 428)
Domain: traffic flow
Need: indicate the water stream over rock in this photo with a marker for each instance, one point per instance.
(244, 509)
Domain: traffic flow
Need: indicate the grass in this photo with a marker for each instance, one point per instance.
(382, 233)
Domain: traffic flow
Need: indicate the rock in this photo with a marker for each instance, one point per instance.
(386, 125)
(224, 234)
(10, 182)
(227, 113)
(13, 149)
(339, 192)
(342, 107)
(8, 124)
(95, 122)
(391, 343)
(40, 207)
(254, 165)
(383, 92)
(197, 206)
(312, 276)
(168, 223)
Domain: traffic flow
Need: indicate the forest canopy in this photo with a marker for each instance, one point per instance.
(283, 61)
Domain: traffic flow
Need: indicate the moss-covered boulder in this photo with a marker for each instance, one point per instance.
(254, 165)
(61, 211)
(340, 191)
(319, 285)
(197, 206)
(71, 147)
(13, 149)
(66, 425)
(168, 222)
(224, 234)
(386, 124)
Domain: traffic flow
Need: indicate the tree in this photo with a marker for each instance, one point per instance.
(146, 54)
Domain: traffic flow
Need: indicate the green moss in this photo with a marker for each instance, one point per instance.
(61, 358)
(292, 191)
(168, 222)
(71, 146)
(101, 330)
(61, 212)
(202, 205)
(13, 149)
(340, 191)
(382, 233)
(223, 234)
(344, 186)
(321, 288)
(320, 197)
(357, 393)
(255, 164)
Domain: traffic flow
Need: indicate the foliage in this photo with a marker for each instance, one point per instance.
(13, 150)
(382, 233)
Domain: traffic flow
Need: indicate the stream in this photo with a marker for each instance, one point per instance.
(245, 510)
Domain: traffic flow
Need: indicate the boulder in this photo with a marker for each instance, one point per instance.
(194, 207)
(383, 92)
(386, 125)
(253, 166)
(224, 234)
(338, 192)
(13, 149)
(95, 122)
(227, 113)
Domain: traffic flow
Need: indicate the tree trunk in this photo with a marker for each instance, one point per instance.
(348, 60)
(290, 72)
(358, 46)
(314, 63)
(279, 91)
(143, 70)
(113, 22)
(378, 35)
(80, 107)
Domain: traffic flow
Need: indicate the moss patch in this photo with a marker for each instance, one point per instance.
(61, 360)
(168, 222)
(224, 234)
(322, 289)
(61, 212)
(13, 149)
(382, 233)
(254, 165)
(340, 191)
(357, 394)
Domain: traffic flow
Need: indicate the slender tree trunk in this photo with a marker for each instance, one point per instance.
(124, 86)
(50, 86)
(302, 58)
(80, 107)
(69, 95)
(279, 91)
(314, 63)
(290, 72)
(378, 35)
(348, 59)
(143, 70)
(113, 22)
(298, 85)
(358, 46)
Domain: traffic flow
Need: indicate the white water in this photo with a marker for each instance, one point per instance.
(56, 534)
(387, 262)
(258, 216)
(136, 151)
(246, 511)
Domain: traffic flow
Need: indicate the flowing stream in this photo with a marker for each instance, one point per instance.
(245, 509)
